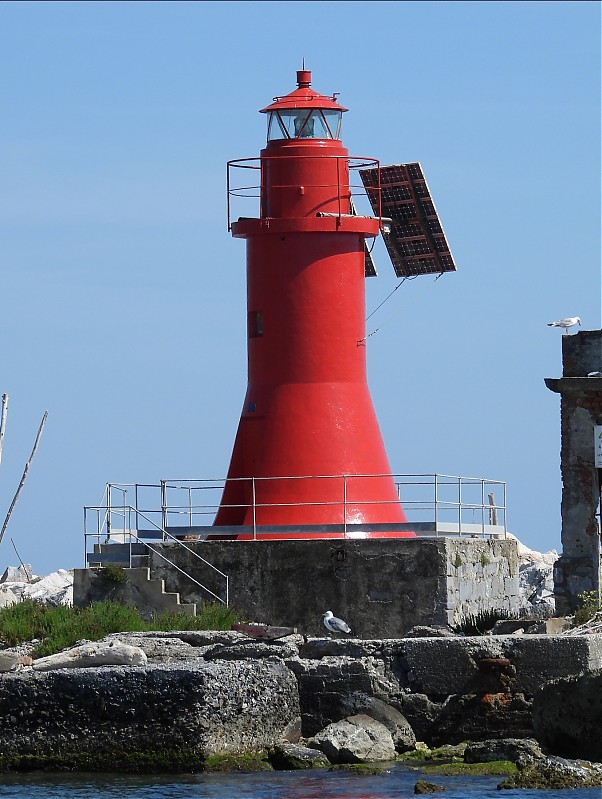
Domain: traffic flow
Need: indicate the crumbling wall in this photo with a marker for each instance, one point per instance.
(578, 569)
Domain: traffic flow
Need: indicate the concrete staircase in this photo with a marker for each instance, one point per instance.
(146, 593)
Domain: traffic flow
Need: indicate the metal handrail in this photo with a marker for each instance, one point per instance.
(440, 503)
(131, 534)
(354, 162)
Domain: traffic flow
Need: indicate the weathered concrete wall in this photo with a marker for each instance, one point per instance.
(578, 568)
(382, 588)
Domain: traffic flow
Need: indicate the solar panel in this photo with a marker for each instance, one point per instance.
(369, 266)
(416, 242)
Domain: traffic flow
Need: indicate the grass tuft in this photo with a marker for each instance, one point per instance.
(62, 627)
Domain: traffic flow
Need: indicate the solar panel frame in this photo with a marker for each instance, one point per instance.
(369, 265)
(416, 242)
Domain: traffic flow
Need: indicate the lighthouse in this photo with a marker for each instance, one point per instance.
(308, 459)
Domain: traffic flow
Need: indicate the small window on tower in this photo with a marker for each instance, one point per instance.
(255, 324)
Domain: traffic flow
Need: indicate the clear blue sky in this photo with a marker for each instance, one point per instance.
(123, 295)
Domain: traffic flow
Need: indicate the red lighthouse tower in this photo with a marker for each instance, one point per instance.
(308, 453)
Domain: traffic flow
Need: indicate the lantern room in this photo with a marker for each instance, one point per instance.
(304, 114)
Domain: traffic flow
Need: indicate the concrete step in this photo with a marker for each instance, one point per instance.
(152, 593)
(136, 562)
(122, 558)
(121, 554)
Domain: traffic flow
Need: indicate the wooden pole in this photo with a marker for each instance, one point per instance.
(27, 465)
(3, 421)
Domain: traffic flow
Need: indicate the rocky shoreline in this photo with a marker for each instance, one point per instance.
(200, 699)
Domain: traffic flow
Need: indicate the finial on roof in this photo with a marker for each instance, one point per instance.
(303, 77)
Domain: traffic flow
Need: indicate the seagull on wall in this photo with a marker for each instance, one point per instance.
(335, 625)
(570, 321)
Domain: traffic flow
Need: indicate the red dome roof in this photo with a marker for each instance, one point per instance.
(303, 97)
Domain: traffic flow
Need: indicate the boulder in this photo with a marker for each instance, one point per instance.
(357, 739)
(556, 773)
(521, 751)
(17, 574)
(7, 596)
(291, 757)
(424, 787)
(54, 589)
(11, 661)
(100, 653)
(403, 736)
(326, 684)
(155, 718)
(567, 716)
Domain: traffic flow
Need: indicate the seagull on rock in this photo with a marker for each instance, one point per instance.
(570, 321)
(335, 625)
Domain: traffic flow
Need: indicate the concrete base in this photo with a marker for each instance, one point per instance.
(382, 588)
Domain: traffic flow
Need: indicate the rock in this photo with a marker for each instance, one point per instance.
(521, 751)
(567, 717)
(554, 626)
(509, 626)
(555, 773)
(100, 653)
(156, 718)
(403, 736)
(17, 574)
(251, 648)
(357, 739)
(168, 648)
(10, 661)
(422, 787)
(7, 596)
(474, 717)
(325, 686)
(54, 589)
(287, 756)
(430, 632)
(318, 648)
(536, 580)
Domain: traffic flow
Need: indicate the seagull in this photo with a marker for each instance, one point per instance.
(335, 625)
(570, 321)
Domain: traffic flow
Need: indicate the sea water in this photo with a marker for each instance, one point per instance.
(397, 783)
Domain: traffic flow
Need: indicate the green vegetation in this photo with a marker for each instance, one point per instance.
(543, 777)
(458, 561)
(367, 769)
(449, 752)
(250, 761)
(589, 605)
(451, 769)
(114, 573)
(61, 627)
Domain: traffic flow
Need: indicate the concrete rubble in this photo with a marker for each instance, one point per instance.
(172, 700)
(21, 583)
(536, 580)
(199, 694)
